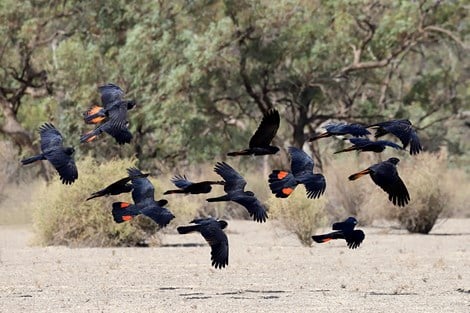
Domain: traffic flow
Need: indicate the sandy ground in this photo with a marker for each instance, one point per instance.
(268, 272)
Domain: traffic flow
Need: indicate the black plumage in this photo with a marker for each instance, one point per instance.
(385, 175)
(212, 231)
(364, 144)
(260, 142)
(403, 130)
(121, 186)
(144, 202)
(53, 150)
(344, 230)
(337, 129)
(283, 183)
(234, 187)
(112, 117)
(187, 187)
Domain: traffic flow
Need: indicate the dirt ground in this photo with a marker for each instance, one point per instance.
(269, 271)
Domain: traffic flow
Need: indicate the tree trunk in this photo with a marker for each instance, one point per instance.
(13, 129)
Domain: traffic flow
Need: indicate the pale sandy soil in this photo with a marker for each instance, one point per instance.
(268, 272)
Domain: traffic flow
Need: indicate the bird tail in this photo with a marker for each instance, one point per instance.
(280, 183)
(235, 153)
(90, 136)
(96, 195)
(33, 159)
(94, 115)
(122, 212)
(327, 237)
(218, 199)
(168, 192)
(324, 135)
(187, 229)
(359, 174)
(352, 148)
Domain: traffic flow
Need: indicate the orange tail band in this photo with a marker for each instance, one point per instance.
(359, 174)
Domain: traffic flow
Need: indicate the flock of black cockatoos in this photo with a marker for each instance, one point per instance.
(111, 118)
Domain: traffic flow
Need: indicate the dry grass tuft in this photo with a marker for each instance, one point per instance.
(298, 214)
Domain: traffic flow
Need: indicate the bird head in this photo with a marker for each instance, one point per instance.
(222, 224)
(351, 220)
(394, 160)
(250, 193)
(131, 104)
(69, 150)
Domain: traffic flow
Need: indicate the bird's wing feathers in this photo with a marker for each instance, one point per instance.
(300, 161)
(181, 181)
(233, 180)
(51, 138)
(266, 130)
(143, 188)
(110, 93)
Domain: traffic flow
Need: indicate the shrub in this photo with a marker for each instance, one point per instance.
(298, 214)
(61, 216)
(352, 198)
(425, 176)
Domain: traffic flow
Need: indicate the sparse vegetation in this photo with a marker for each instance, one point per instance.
(426, 179)
(61, 215)
(298, 214)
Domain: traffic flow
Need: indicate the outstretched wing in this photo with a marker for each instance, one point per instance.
(181, 181)
(386, 177)
(161, 216)
(266, 130)
(110, 93)
(233, 180)
(301, 162)
(64, 164)
(355, 130)
(415, 144)
(143, 188)
(117, 124)
(315, 184)
(253, 206)
(390, 144)
(51, 138)
(218, 242)
(360, 142)
(355, 238)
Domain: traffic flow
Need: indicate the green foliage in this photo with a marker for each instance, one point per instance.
(298, 214)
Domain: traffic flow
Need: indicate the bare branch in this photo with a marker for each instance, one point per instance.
(438, 29)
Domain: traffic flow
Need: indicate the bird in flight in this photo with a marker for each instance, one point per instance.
(261, 140)
(144, 202)
(112, 117)
(121, 186)
(337, 129)
(403, 129)
(187, 187)
(282, 183)
(344, 230)
(364, 144)
(53, 150)
(212, 231)
(235, 189)
(385, 175)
